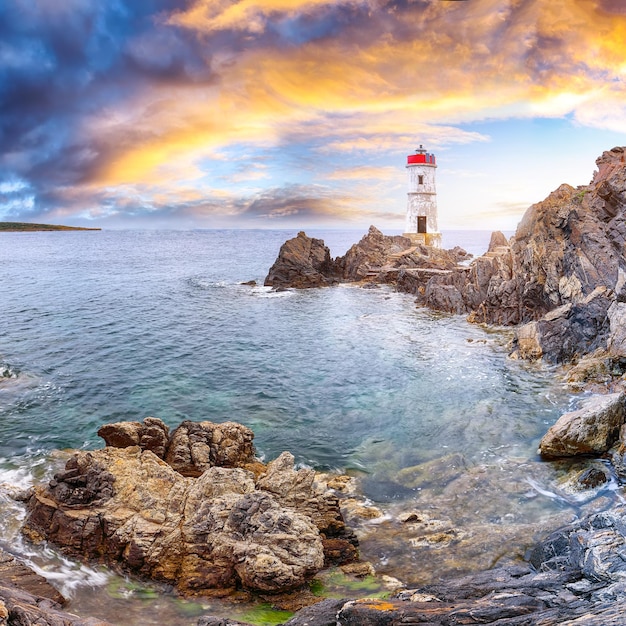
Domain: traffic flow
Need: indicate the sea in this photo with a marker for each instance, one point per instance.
(105, 326)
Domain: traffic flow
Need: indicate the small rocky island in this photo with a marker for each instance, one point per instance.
(27, 227)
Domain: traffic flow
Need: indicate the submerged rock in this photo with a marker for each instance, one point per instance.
(198, 519)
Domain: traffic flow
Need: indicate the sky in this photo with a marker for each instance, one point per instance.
(301, 113)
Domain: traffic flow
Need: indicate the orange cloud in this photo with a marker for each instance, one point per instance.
(249, 15)
(390, 76)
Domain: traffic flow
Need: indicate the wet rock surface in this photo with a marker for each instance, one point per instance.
(203, 522)
(592, 429)
(574, 576)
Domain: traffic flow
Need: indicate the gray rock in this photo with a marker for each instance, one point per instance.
(617, 329)
(323, 613)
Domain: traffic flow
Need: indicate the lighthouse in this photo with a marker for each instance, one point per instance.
(421, 210)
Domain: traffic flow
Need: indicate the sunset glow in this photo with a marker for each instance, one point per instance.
(296, 113)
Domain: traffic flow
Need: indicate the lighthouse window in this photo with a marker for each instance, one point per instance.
(420, 180)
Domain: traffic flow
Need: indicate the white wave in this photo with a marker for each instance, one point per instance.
(548, 494)
(268, 292)
(572, 499)
(66, 575)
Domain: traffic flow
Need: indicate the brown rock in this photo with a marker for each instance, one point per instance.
(198, 519)
(28, 599)
(592, 429)
(497, 240)
(561, 270)
(16, 574)
(196, 446)
(152, 435)
(372, 252)
(299, 490)
(210, 533)
(121, 434)
(302, 262)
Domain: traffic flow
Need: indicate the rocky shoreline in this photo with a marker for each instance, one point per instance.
(560, 280)
(196, 510)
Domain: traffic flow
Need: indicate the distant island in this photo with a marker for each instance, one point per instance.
(15, 227)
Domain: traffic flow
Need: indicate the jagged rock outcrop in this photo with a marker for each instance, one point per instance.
(199, 519)
(560, 273)
(303, 262)
(378, 254)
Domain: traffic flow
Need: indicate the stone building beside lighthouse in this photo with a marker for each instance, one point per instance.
(421, 210)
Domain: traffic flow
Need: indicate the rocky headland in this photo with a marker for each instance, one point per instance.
(560, 280)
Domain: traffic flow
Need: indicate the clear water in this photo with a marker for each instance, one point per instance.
(109, 326)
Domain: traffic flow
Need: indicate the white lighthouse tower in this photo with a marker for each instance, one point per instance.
(421, 210)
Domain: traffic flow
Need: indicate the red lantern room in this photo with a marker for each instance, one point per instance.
(421, 157)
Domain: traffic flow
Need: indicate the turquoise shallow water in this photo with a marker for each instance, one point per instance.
(109, 326)
(120, 325)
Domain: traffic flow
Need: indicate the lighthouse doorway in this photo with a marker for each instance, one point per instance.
(421, 223)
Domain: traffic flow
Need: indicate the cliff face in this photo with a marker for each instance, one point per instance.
(564, 248)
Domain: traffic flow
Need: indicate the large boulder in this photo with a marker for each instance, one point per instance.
(569, 331)
(199, 520)
(592, 429)
(151, 435)
(215, 532)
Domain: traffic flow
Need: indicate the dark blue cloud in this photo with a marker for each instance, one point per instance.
(62, 61)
